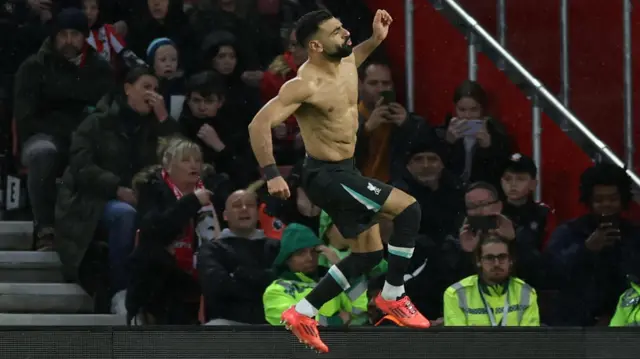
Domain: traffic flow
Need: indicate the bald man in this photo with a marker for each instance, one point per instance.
(235, 269)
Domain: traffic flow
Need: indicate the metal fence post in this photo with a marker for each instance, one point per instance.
(473, 56)
(502, 29)
(536, 140)
(409, 53)
(628, 86)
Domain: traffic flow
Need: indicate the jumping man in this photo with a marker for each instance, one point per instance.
(324, 98)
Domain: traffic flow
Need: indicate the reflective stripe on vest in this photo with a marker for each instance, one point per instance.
(525, 301)
(356, 291)
(634, 324)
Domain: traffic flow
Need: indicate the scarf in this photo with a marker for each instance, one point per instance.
(106, 42)
(206, 228)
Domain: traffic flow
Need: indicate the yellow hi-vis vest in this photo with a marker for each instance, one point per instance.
(628, 309)
(466, 305)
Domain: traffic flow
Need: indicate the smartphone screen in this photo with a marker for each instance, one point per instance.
(388, 96)
(612, 220)
(473, 126)
(482, 223)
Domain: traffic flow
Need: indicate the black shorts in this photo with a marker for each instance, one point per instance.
(351, 200)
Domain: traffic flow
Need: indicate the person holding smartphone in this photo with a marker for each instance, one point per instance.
(592, 255)
(386, 128)
(478, 144)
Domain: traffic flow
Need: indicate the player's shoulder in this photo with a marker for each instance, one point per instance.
(298, 89)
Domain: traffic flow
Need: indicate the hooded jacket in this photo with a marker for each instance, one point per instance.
(233, 273)
(52, 94)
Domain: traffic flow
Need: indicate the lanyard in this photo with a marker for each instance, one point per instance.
(505, 309)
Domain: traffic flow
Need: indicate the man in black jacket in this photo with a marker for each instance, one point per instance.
(53, 90)
(234, 270)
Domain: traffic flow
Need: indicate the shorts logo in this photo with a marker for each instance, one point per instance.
(373, 188)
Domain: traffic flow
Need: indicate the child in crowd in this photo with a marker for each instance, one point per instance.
(518, 184)
(162, 55)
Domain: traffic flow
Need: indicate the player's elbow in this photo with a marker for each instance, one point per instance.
(258, 126)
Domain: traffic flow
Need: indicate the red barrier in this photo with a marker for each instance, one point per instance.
(441, 64)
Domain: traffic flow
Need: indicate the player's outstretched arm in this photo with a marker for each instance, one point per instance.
(292, 94)
(381, 22)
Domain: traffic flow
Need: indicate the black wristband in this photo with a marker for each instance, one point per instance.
(271, 172)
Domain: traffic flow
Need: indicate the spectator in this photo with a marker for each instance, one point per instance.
(260, 43)
(386, 128)
(153, 19)
(532, 220)
(518, 184)
(298, 273)
(53, 89)
(476, 152)
(235, 270)
(177, 216)
(287, 142)
(107, 150)
(276, 213)
(483, 207)
(221, 53)
(224, 142)
(162, 54)
(592, 255)
(493, 297)
(627, 313)
(103, 37)
(438, 191)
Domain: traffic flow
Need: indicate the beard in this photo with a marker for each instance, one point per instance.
(69, 51)
(340, 52)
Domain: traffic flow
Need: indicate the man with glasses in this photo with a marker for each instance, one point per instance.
(483, 207)
(493, 297)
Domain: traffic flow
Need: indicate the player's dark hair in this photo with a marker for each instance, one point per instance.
(470, 89)
(308, 25)
(605, 174)
(486, 186)
(206, 83)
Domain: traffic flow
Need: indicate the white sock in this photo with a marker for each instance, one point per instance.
(305, 308)
(392, 292)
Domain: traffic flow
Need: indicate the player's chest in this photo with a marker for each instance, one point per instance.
(342, 91)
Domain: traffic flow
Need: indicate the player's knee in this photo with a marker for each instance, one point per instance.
(410, 217)
(357, 264)
(368, 261)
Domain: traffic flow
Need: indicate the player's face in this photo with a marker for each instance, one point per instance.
(335, 39)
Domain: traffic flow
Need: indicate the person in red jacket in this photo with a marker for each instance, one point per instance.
(287, 143)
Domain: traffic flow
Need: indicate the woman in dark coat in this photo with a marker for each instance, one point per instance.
(177, 210)
(107, 149)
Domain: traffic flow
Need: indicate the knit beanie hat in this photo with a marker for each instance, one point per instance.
(70, 18)
(155, 45)
(295, 237)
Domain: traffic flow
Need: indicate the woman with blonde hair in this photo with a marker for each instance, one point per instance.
(177, 215)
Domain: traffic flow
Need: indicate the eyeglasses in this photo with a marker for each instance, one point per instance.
(490, 258)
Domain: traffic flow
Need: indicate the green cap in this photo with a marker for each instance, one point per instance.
(294, 238)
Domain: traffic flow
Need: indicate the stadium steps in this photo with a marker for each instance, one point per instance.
(32, 289)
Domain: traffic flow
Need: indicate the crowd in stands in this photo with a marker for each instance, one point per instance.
(131, 122)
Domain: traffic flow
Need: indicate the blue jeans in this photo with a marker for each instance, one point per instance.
(119, 219)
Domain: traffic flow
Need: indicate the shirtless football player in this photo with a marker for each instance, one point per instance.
(323, 98)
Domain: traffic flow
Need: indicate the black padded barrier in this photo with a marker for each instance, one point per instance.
(257, 342)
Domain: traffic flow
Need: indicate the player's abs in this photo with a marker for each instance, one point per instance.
(329, 147)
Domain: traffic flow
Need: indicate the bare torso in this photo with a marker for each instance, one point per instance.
(328, 119)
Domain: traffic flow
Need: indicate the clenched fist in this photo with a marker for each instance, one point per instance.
(278, 187)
